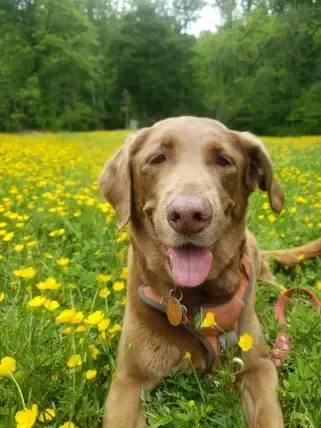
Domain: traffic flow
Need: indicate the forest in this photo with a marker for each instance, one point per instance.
(79, 65)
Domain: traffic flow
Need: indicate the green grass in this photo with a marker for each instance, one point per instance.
(49, 183)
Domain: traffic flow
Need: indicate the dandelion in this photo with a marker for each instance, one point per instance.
(2, 296)
(26, 418)
(74, 361)
(103, 278)
(26, 273)
(47, 415)
(49, 284)
(118, 285)
(7, 366)
(91, 374)
(103, 293)
(245, 342)
(94, 318)
(266, 206)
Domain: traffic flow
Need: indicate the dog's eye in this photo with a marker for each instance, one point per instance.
(158, 159)
(223, 160)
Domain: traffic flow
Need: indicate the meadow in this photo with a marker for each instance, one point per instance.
(63, 289)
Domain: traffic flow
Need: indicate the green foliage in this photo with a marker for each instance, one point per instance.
(92, 64)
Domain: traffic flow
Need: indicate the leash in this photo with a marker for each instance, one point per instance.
(282, 344)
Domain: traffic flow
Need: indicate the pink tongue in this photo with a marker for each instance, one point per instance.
(190, 266)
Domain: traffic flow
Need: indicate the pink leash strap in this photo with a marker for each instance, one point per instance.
(282, 344)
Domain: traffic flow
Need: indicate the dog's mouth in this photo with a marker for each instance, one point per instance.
(190, 265)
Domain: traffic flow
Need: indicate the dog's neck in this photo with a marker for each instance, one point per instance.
(222, 286)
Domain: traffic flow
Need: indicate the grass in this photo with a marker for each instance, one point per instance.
(52, 219)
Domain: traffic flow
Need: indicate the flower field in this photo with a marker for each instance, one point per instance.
(63, 289)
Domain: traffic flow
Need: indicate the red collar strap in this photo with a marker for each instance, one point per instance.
(282, 344)
(228, 316)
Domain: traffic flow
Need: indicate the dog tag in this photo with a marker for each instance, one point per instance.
(174, 311)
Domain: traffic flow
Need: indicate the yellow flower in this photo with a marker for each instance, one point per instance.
(81, 329)
(91, 374)
(187, 356)
(124, 273)
(272, 218)
(70, 316)
(191, 403)
(261, 217)
(8, 236)
(74, 361)
(78, 317)
(283, 290)
(67, 425)
(293, 210)
(3, 232)
(319, 285)
(59, 232)
(94, 352)
(266, 206)
(94, 318)
(124, 301)
(301, 200)
(123, 236)
(245, 342)
(300, 257)
(51, 305)
(49, 284)
(104, 292)
(103, 278)
(67, 331)
(118, 285)
(36, 302)
(28, 272)
(209, 320)
(26, 418)
(7, 366)
(66, 316)
(47, 415)
(18, 247)
(2, 296)
(103, 324)
(115, 328)
(32, 244)
(3, 224)
(1, 256)
(48, 255)
(63, 261)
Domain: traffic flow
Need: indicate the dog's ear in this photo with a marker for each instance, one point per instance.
(115, 183)
(259, 170)
(115, 178)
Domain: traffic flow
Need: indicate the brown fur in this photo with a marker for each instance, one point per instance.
(139, 190)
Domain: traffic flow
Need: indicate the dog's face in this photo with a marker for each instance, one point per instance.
(186, 182)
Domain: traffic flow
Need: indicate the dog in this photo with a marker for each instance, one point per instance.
(183, 186)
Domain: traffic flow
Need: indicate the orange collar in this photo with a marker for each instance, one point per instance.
(228, 316)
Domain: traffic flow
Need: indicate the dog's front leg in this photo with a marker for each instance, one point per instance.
(259, 381)
(123, 407)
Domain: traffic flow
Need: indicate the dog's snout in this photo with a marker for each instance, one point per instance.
(189, 214)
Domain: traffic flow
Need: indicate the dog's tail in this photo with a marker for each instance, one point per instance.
(294, 256)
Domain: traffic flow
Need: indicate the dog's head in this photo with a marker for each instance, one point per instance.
(185, 182)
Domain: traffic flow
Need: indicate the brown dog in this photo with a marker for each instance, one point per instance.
(184, 185)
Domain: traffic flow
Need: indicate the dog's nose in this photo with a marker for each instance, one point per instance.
(189, 214)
